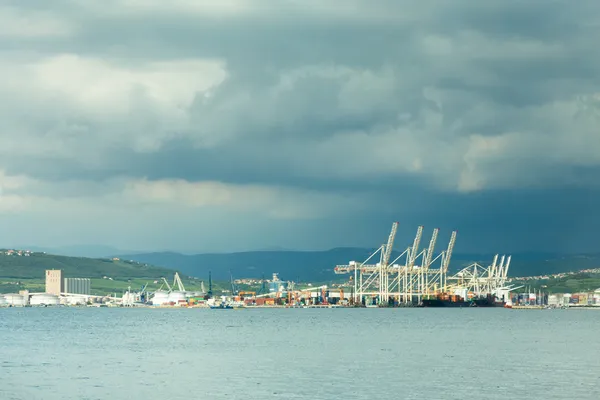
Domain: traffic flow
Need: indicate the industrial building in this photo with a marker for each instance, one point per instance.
(54, 282)
(57, 285)
(44, 299)
(77, 285)
(16, 300)
(277, 285)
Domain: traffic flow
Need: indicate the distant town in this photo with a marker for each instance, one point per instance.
(19, 253)
(553, 276)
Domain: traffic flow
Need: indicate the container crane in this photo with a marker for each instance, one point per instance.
(234, 290)
(385, 259)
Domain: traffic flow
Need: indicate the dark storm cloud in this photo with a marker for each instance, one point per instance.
(406, 102)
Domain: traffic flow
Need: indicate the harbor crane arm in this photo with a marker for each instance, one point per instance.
(390, 244)
(494, 264)
(505, 272)
(501, 266)
(415, 247)
(178, 282)
(167, 283)
(234, 290)
(449, 251)
(431, 248)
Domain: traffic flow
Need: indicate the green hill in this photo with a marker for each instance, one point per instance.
(33, 266)
(26, 270)
(567, 283)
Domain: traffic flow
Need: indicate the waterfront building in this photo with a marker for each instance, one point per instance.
(54, 281)
(277, 285)
(44, 299)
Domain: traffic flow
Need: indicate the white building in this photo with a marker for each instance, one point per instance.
(44, 299)
(16, 299)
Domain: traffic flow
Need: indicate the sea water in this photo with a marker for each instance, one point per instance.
(108, 353)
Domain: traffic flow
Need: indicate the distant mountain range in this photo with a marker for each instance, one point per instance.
(317, 266)
(301, 266)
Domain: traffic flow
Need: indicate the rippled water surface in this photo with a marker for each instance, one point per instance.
(72, 353)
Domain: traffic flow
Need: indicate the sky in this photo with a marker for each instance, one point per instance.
(216, 126)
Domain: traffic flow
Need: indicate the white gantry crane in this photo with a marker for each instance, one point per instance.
(478, 281)
(372, 278)
(413, 274)
(407, 278)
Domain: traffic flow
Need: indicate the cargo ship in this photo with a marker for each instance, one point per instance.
(445, 300)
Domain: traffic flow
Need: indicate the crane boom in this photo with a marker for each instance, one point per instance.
(495, 263)
(234, 290)
(415, 247)
(505, 272)
(501, 266)
(493, 267)
(431, 248)
(449, 251)
(178, 282)
(390, 244)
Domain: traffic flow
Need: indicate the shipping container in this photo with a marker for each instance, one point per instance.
(260, 301)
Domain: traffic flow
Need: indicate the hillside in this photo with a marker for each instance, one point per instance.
(89, 251)
(317, 266)
(565, 282)
(20, 270)
(302, 266)
(32, 265)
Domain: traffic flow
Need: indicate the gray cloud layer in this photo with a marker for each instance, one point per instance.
(296, 119)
